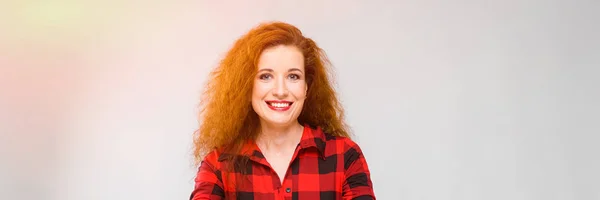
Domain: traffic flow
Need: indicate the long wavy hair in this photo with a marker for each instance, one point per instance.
(226, 117)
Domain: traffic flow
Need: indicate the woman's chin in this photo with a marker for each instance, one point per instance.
(278, 122)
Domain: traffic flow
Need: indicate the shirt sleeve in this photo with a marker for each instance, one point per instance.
(208, 183)
(357, 184)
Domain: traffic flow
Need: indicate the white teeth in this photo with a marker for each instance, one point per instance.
(280, 105)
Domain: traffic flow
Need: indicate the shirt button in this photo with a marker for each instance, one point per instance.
(288, 190)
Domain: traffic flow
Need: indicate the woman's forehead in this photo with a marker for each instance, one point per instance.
(281, 58)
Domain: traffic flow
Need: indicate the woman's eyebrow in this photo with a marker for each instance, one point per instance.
(271, 70)
(266, 69)
(294, 69)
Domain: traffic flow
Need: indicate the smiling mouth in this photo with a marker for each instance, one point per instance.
(279, 105)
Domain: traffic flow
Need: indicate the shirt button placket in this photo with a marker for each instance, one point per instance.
(286, 188)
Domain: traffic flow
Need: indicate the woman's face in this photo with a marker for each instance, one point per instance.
(280, 85)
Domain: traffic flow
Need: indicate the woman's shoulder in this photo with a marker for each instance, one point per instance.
(329, 137)
(346, 140)
(213, 157)
(209, 156)
(341, 144)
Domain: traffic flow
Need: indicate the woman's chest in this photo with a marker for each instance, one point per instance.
(306, 177)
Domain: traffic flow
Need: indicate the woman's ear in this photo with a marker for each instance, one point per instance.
(306, 84)
(306, 92)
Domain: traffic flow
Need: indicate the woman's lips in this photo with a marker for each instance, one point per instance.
(279, 105)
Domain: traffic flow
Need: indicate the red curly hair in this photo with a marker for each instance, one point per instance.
(226, 116)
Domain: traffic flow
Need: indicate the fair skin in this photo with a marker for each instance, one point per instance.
(277, 97)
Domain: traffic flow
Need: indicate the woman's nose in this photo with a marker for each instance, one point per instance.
(280, 89)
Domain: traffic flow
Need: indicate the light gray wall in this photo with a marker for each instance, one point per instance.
(461, 100)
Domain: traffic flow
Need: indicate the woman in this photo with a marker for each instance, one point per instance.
(272, 126)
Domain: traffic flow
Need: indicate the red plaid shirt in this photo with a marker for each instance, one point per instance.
(323, 167)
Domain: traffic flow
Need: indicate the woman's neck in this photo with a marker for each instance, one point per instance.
(277, 138)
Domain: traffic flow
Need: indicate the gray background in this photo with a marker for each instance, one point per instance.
(461, 100)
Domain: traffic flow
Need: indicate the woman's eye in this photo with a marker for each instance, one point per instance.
(264, 76)
(294, 76)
